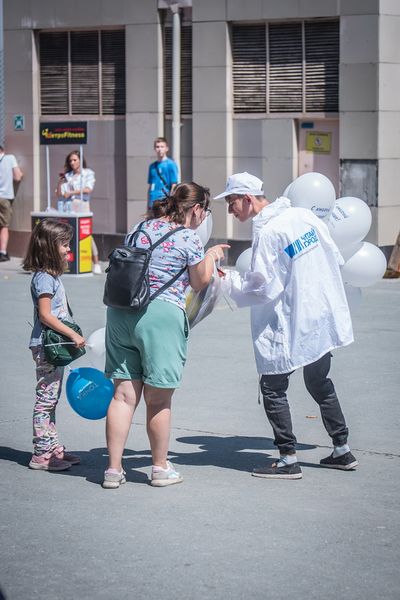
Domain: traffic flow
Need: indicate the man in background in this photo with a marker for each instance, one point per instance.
(163, 173)
(9, 173)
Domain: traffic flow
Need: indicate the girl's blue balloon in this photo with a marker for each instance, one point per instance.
(89, 392)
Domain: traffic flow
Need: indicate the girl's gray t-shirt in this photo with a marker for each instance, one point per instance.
(44, 283)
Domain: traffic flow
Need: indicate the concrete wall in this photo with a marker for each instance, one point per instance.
(387, 218)
(113, 143)
(212, 110)
(19, 99)
(215, 143)
(370, 110)
(266, 148)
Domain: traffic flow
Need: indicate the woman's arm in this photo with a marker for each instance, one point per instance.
(200, 274)
(49, 320)
(88, 180)
(60, 182)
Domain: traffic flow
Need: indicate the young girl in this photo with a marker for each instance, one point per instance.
(47, 259)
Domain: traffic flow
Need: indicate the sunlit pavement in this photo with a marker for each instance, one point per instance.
(222, 533)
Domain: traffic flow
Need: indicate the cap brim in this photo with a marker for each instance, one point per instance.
(223, 195)
(240, 192)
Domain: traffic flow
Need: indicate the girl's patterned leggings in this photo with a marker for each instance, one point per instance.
(48, 389)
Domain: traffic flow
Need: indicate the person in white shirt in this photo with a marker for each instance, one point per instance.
(9, 172)
(69, 185)
(299, 314)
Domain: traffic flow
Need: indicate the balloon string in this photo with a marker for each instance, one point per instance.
(66, 343)
(59, 344)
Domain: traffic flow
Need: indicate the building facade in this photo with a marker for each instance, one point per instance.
(274, 88)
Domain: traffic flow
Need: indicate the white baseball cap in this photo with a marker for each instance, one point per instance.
(242, 183)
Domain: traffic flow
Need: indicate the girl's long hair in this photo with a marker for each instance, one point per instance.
(184, 197)
(43, 250)
(67, 166)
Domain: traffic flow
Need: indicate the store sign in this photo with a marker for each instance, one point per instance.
(63, 133)
(319, 142)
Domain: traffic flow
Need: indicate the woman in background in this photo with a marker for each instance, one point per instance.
(69, 188)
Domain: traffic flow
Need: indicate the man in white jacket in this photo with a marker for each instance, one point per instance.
(299, 313)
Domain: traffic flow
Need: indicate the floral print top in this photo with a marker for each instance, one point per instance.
(180, 249)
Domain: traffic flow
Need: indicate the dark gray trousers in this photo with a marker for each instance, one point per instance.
(321, 388)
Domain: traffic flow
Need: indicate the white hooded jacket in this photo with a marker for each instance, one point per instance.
(299, 310)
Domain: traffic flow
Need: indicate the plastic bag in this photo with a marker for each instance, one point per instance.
(200, 304)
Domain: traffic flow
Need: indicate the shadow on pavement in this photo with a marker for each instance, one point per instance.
(241, 453)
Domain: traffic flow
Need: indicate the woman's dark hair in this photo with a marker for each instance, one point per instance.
(184, 197)
(43, 250)
(67, 166)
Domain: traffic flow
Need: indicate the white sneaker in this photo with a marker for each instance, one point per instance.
(113, 480)
(161, 477)
(97, 269)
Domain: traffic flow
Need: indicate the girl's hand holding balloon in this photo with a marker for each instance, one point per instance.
(78, 340)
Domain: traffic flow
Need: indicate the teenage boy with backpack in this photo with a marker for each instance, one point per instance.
(163, 173)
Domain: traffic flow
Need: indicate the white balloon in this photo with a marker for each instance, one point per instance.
(96, 348)
(353, 295)
(348, 251)
(313, 191)
(205, 228)
(365, 267)
(244, 261)
(349, 221)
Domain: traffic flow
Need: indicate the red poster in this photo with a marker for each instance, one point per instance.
(85, 228)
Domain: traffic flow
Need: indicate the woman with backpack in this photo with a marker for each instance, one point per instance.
(146, 349)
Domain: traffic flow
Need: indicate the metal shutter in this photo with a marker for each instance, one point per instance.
(322, 66)
(186, 69)
(113, 72)
(85, 72)
(285, 73)
(53, 53)
(249, 68)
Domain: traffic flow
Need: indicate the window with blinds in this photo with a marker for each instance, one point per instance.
(82, 72)
(186, 69)
(286, 67)
(249, 68)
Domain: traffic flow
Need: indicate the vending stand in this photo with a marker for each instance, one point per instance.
(80, 257)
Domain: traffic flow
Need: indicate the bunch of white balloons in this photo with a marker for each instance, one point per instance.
(349, 220)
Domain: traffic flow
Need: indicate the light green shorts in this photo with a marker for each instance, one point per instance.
(149, 345)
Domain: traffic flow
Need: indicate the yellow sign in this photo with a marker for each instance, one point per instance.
(85, 255)
(319, 142)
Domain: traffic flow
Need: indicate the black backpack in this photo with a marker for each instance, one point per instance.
(127, 282)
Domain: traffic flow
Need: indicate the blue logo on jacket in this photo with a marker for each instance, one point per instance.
(302, 243)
